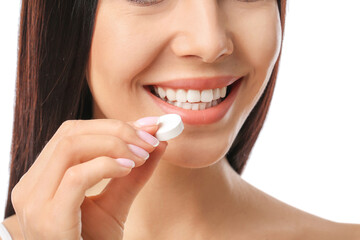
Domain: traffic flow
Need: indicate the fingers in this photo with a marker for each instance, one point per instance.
(127, 132)
(77, 179)
(75, 150)
(149, 129)
(80, 154)
(112, 127)
(124, 190)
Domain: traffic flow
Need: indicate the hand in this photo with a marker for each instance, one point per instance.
(49, 200)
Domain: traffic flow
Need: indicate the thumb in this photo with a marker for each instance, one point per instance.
(117, 197)
(148, 125)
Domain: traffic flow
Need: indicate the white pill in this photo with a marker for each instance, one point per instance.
(170, 126)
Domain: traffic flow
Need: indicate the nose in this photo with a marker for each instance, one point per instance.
(201, 31)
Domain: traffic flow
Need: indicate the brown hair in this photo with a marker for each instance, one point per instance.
(54, 45)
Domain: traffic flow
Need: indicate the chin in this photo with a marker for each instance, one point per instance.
(195, 154)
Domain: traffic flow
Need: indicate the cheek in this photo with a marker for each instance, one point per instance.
(261, 37)
(121, 49)
(259, 41)
(118, 49)
(123, 43)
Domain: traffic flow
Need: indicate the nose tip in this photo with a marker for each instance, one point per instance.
(223, 51)
(208, 48)
(202, 33)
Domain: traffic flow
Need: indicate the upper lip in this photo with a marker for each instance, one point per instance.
(199, 83)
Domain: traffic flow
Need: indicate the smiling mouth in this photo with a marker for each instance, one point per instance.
(192, 99)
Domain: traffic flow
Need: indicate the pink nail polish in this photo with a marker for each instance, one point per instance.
(147, 121)
(126, 162)
(147, 137)
(138, 151)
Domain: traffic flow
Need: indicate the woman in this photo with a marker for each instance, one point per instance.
(139, 59)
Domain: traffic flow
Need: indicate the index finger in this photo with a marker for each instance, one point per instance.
(93, 126)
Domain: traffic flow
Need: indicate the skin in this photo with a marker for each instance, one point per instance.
(188, 181)
(237, 38)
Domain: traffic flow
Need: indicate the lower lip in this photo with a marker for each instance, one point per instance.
(200, 117)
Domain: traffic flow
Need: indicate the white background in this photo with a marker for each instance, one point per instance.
(308, 152)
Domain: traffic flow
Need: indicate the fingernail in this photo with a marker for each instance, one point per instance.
(147, 121)
(126, 162)
(138, 151)
(147, 137)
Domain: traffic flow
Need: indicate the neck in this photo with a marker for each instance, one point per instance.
(177, 199)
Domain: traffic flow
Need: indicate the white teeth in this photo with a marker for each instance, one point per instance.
(193, 95)
(214, 103)
(181, 95)
(195, 106)
(223, 92)
(206, 95)
(186, 105)
(216, 93)
(178, 104)
(202, 106)
(192, 99)
(162, 92)
(171, 94)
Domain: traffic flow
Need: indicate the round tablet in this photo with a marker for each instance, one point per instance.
(170, 126)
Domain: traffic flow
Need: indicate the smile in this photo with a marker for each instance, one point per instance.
(195, 106)
(191, 99)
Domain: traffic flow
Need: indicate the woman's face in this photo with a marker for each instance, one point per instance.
(137, 48)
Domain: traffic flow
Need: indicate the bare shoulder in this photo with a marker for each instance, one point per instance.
(12, 225)
(333, 231)
(283, 221)
(346, 231)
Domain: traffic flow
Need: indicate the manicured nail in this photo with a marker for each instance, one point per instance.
(126, 162)
(147, 137)
(138, 151)
(147, 121)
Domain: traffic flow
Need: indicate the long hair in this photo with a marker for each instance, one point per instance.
(54, 46)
